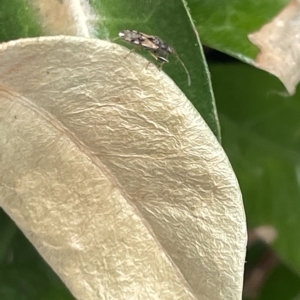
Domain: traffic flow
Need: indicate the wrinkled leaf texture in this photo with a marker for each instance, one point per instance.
(114, 176)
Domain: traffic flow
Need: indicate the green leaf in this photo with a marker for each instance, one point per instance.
(24, 275)
(266, 277)
(224, 25)
(170, 21)
(17, 20)
(283, 283)
(262, 139)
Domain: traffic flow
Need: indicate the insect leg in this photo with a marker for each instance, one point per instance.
(132, 50)
(135, 49)
(162, 59)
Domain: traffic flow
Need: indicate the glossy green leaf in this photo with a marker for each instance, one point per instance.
(170, 21)
(225, 25)
(261, 136)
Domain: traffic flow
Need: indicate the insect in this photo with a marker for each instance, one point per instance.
(158, 48)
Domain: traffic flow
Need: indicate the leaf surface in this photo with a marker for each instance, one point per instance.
(116, 179)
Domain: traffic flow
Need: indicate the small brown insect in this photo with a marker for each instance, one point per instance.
(158, 48)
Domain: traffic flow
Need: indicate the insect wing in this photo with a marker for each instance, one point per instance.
(138, 38)
(149, 45)
(131, 36)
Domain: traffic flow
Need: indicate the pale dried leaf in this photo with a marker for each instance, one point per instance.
(69, 17)
(279, 43)
(114, 176)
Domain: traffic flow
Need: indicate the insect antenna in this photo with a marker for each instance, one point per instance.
(183, 65)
